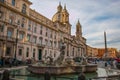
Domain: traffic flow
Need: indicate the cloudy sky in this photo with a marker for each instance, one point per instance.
(95, 16)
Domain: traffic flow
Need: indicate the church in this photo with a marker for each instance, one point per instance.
(26, 34)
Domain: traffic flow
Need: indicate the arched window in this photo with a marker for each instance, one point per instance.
(24, 8)
(13, 2)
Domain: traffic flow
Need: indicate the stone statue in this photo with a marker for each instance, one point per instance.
(84, 61)
(50, 62)
(61, 57)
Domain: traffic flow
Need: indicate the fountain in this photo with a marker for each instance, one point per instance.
(61, 65)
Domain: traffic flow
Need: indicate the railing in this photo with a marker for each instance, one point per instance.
(42, 77)
(69, 78)
(41, 45)
(2, 37)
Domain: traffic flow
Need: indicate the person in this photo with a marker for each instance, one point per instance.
(47, 76)
(6, 75)
(114, 64)
(2, 61)
(10, 62)
(81, 76)
(105, 64)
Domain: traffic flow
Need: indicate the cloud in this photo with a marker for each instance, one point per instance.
(96, 16)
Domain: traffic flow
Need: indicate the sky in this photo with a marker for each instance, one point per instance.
(95, 16)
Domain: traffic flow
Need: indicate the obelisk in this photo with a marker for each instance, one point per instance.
(105, 40)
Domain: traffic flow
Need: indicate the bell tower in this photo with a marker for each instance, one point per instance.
(65, 15)
(78, 30)
(59, 8)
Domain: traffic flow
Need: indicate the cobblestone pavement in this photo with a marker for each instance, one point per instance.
(101, 64)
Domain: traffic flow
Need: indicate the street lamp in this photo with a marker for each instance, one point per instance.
(0, 14)
(16, 41)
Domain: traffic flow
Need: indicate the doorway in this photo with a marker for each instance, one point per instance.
(39, 54)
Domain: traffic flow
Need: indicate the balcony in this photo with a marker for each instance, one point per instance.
(6, 38)
(40, 45)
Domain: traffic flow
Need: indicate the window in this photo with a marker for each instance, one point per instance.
(21, 36)
(24, 8)
(51, 54)
(9, 33)
(34, 39)
(11, 18)
(41, 30)
(59, 17)
(51, 43)
(18, 22)
(1, 28)
(40, 40)
(13, 2)
(35, 29)
(1, 14)
(29, 27)
(28, 37)
(33, 52)
(45, 53)
(20, 52)
(27, 52)
(23, 22)
(50, 34)
(73, 52)
(54, 54)
(46, 41)
(55, 35)
(46, 32)
(55, 44)
(8, 51)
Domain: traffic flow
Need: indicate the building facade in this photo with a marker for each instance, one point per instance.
(92, 52)
(25, 33)
(111, 52)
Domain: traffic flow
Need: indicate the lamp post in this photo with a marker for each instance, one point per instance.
(0, 14)
(16, 41)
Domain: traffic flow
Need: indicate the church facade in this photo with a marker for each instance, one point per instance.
(25, 33)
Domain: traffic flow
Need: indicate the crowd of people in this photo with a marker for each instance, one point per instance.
(9, 61)
(111, 62)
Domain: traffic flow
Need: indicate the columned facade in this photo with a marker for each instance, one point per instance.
(26, 34)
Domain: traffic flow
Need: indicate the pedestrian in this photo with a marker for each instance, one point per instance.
(114, 64)
(6, 75)
(105, 64)
(2, 61)
(47, 76)
(81, 76)
(10, 62)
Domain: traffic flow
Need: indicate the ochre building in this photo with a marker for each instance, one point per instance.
(111, 52)
(92, 52)
(25, 33)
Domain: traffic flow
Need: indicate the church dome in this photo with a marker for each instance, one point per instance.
(56, 17)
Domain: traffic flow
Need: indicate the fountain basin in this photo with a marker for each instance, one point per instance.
(90, 68)
(58, 70)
